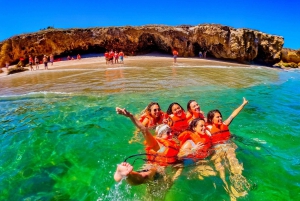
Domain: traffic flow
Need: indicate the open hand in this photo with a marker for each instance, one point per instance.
(123, 112)
(245, 101)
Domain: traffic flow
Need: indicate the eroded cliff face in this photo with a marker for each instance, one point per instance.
(221, 42)
(289, 58)
(289, 55)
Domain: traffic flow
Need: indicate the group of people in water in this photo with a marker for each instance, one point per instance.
(186, 138)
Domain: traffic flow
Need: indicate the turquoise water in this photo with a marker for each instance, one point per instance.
(61, 138)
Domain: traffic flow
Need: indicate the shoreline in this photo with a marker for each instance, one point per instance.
(65, 64)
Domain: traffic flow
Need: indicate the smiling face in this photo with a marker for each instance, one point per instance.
(200, 127)
(194, 107)
(163, 131)
(176, 110)
(155, 111)
(166, 135)
(217, 118)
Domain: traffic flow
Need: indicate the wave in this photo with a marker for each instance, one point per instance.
(35, 95)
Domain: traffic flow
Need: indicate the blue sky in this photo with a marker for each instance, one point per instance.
(269, 16)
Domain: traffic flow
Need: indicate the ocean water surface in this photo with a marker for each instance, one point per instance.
(61, 137)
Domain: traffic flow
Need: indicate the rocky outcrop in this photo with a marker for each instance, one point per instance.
(289, 55)
(289, 58)
(218, 41)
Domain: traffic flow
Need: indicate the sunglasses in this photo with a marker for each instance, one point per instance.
(168, 132)
(156, 110)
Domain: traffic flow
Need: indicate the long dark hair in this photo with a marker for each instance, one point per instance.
(211, 114)
(188, 107)
(194, 123)
(169, 111)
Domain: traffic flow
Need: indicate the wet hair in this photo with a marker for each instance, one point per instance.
(194, 123)
(148, 108)
(211, 114)
(188, 106)
(169, 111)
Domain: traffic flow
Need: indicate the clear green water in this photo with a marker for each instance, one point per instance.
(61, 138)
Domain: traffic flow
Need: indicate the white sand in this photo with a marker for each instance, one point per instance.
(101, 61)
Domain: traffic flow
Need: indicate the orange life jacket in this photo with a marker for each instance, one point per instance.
(169, 156)
(153, 122)
(178, 124)
(196, 138)
(219, 134)
(192, 117)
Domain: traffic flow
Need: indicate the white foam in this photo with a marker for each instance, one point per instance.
(260, 141)
(79, 74)
(36, 93)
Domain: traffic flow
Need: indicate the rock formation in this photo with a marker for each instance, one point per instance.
(223, 42)
(290, 56)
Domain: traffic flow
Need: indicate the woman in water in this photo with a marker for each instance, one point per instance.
(195, 142)
(177, 118)
(225, 150)
(161, 151)
(152, 115)
(194, 111)
(195, 148)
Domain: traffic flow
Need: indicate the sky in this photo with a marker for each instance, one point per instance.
(274, 17)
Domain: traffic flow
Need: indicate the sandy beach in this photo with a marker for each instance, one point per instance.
(99, 62)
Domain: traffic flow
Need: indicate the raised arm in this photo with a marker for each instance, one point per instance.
(236, 112)
(146, 133)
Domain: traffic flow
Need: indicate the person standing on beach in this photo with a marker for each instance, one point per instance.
(204, 54)
(45, 60)
(78, 57)
(106, 55)
(51, 59)
(121, 55)
(175, 54)
(36, 61)
(6, 64)
(111, 56)
(200, 54)
(30, 62)
(116, 56)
